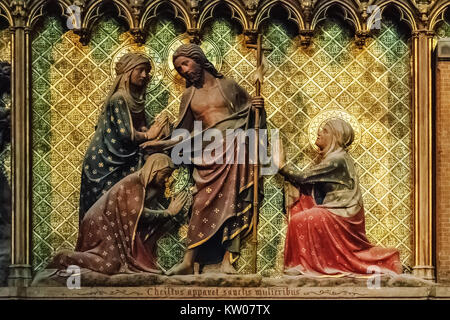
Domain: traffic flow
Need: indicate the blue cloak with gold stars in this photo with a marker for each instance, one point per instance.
(112, 154)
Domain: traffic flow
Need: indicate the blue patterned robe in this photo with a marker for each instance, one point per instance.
(113, 152)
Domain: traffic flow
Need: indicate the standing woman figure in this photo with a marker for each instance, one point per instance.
(114, 150)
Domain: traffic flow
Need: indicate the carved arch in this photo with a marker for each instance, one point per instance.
(349, 10)
(294, 13)
(38, 10)
(5, 13)
(408, 13)
(180, 12)
(437, 14)
(237, 12)
(94, 13)
(89, 16)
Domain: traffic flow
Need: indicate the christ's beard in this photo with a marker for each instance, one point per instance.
(196, 78)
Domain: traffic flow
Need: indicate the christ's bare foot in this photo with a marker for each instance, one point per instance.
(182, 268)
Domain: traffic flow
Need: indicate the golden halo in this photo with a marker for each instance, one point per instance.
(319, 120)
(208, 46)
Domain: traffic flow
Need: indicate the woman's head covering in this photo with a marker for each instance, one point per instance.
(344, 202)
(124, 68)
(153, 164)
(342, 133)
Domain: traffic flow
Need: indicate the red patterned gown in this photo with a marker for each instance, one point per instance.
(324, 238)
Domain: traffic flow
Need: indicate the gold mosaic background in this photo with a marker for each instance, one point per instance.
(69, 83)
(373, 85)
(370, 84)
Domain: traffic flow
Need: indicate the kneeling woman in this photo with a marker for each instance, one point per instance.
(326, 232)
(108, 241)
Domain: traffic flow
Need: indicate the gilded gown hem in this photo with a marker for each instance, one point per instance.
(245, 187)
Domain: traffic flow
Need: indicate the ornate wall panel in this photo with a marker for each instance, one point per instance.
(69, 84)
(164, 36)
(372, 85)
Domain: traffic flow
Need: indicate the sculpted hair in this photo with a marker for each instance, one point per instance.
(196, 53)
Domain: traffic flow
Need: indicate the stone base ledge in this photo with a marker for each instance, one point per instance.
(52, 284)
(225, 293)
(88, 278)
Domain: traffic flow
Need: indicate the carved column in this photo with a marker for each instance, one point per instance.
(251, 33)
(423, 155)
(20, 269)
(138, 33)
(307, 33)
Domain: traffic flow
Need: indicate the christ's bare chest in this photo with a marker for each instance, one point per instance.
(208, 106)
